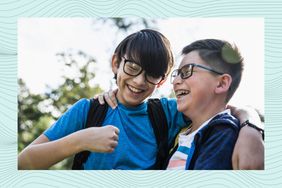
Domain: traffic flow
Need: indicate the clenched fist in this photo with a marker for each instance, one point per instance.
(99, 139)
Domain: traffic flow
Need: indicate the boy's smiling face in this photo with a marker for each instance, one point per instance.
(132, 90)
(195, 93)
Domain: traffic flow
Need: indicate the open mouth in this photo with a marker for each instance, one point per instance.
(181, 93)
(134, 90)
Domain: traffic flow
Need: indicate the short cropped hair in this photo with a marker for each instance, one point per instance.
(222, 57)
(150, 49)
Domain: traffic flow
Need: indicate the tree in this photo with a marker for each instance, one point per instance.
(29, 116)
(38, 112)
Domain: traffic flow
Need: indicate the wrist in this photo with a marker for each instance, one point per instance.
(249, 124)
(76, 141)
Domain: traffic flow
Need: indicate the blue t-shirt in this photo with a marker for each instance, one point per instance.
(137, 147)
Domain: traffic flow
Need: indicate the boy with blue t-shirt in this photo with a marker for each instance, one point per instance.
(126, 139)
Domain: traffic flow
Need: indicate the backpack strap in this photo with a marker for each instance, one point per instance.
(97, 114)
(95, 118)
(159, 123)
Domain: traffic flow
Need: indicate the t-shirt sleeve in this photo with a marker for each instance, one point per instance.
(72, 120)
(176, 120)
(216, 152)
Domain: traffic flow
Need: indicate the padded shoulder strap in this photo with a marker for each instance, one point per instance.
(95, 118)
(96, 113)
(159, 122)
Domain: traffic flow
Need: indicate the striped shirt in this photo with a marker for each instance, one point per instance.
(178, 159)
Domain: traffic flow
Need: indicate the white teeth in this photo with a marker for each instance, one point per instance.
(135, 90)
(179, 93)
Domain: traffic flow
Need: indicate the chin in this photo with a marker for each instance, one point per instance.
(180, 108)
(133, 103)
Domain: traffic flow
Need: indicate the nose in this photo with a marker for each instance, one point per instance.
(177, 80)
(140, 79)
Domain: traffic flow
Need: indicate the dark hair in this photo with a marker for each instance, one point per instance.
(222, 57)
(149, 48)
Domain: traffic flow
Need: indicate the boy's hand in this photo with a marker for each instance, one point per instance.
(248, 152)
(100, 139)
(246, 113)
(109, 97)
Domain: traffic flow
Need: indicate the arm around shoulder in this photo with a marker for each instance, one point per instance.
(248, 152)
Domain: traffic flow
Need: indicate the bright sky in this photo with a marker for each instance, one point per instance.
(39, 39)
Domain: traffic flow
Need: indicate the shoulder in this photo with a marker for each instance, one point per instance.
(71, 121)
(81, 104)
(223, 125)
(169, 104)
(225, 120)
(78, 110)
(168, 101)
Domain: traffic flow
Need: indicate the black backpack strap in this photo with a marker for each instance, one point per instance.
(159, 122)
(95, 118)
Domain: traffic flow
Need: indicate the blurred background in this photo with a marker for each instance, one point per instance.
(61, 60)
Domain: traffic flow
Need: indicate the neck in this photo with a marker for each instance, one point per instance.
(202, 115)
(125, 103)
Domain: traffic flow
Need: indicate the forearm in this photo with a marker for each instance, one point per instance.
(249, 150)
(44, 155)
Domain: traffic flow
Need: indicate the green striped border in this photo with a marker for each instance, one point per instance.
(10, 11)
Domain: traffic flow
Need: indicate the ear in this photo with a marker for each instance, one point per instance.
(115, 63)
(223, 84)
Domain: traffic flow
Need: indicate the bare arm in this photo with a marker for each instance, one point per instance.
(248, 152)
(42, 153)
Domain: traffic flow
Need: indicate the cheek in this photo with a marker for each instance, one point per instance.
(151, 89)
(196, 87)
(118, 80)
(203, 90)
(120, 77)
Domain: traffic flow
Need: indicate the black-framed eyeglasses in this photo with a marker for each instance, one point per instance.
(132, 68)
(187, 71)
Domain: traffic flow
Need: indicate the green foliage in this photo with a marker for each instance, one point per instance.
(75, 86)
(29, 116)
(38, 112)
